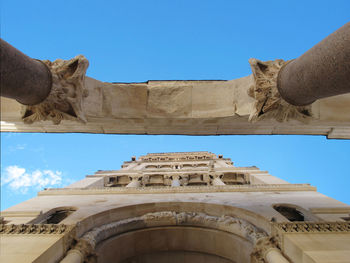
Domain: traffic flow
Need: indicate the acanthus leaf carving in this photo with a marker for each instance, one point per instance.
(262, 247)
(66, 96)
(268, 101)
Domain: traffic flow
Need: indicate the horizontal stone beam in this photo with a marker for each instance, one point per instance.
(275, 99)
(176, 107)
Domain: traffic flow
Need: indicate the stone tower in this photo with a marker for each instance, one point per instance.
(178, 207)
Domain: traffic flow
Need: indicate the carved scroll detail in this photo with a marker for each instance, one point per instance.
(268, 101)
(65, 99)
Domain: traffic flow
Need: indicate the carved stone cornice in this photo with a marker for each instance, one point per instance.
(279, 229)
(35, 229)
(65, 99)
(268, 101)
(312, 227)
(180, 189)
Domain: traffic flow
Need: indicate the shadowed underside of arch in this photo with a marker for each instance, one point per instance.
(188, 233)
(175, 244)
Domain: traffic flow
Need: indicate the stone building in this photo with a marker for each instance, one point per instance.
(178, 207)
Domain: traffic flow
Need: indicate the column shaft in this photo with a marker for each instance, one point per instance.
(134, 183)
(175, 182)
(22, 78)
(275, 256)
(322, 71)
(217, 181)
(73, 256)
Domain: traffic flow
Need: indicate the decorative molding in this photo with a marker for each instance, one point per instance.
(35, 229)
(65, 99)
(268, 101)
(20, 213)
(330, 210)
(225, 223)
(262, 247)
(180, 189)
(85, 249)
(279, 229)
(312, 227)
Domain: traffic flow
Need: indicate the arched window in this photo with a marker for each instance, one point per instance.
(57, 216)
(289, 212)
(54, 216)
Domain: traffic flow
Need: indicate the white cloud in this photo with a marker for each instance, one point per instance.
(19, 180)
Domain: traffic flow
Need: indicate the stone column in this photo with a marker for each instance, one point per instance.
(73, 256)
(274, 255)
(321, 72)
(217, 181)
(24, 79)
(134, 183)
(175, 181)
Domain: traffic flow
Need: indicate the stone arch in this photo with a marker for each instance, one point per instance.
(129, 211)
(201, 234)
(233, 226)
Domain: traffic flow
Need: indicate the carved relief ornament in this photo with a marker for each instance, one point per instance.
(88, 242)
(35, 229)
(268, 100)
(66, 96)
(312, 227)
(262, 247)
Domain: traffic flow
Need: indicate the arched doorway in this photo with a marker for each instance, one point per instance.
(174, 244)
(185, 232)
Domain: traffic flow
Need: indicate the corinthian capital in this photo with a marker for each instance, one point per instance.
(65, 99)
(268, 100)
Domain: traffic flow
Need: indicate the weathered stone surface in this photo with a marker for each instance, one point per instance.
(169, 99)
(187, 107)
(66, 95)
(268, 101)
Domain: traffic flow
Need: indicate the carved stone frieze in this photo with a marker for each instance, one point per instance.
(65, 99)
(314, 227)
(308, 227)
(268, 101)
(88, 242)
(35, 229)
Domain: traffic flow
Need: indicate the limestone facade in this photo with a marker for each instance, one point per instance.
(178, 207)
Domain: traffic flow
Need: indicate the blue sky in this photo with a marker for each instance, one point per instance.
(130, 41)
